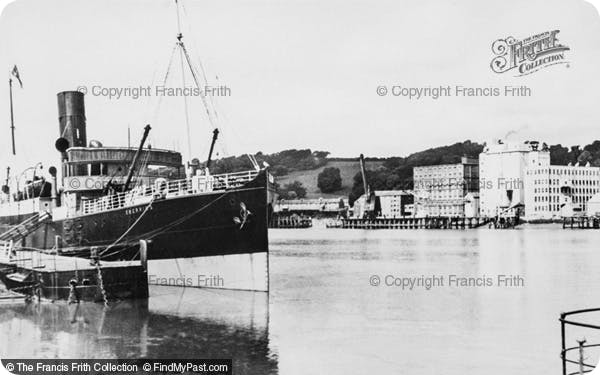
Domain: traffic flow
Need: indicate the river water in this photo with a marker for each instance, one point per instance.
(323, 316)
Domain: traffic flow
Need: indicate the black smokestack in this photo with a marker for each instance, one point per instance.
(71, 118)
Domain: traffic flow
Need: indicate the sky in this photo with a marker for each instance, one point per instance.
(302, 73)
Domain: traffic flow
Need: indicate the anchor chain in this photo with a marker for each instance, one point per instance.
(101, 284)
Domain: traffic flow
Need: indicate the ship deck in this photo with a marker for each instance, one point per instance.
(43, 262)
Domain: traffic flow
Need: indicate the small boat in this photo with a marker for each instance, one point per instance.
(49, 276)
(18, 280)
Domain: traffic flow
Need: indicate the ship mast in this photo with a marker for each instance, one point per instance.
(181, 47)
(12, 118)
(185, 59)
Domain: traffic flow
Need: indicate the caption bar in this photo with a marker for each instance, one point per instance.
(117, 366)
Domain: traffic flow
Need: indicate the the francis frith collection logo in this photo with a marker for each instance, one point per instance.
(528, 55)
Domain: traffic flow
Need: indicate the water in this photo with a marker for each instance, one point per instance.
(323, 316)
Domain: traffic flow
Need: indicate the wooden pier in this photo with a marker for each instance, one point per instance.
(412, 223)
(581, 222)
(290, 222)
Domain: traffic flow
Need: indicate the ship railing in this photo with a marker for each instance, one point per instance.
(233, 180)
(168, 189)
(578, 357)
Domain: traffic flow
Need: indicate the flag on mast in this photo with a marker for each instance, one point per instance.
(15, 73)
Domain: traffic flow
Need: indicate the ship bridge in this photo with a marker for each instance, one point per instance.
(89, 169)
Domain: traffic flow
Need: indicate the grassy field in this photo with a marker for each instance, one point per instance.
(309, 178)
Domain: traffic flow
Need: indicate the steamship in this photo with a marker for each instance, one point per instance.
(102, 201)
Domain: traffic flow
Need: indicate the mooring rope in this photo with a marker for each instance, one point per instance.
(152, 234)
(129, 229)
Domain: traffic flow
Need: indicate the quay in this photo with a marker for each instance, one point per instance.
(411, 223)
(581, 222)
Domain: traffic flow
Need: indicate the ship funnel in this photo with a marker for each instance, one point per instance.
(71, 118)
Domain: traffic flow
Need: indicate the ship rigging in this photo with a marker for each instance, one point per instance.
(186, 215)
(200, 82)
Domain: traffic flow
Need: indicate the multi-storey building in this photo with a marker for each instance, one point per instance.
(440, 190)
(502, 168)
(517, 178)
(393, 203)
(555, 190)
(385, 203)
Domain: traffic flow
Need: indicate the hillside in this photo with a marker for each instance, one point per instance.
(308, 178)
(390, 173)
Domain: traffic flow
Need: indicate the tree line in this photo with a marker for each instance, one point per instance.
(281, 163)
(396, 173)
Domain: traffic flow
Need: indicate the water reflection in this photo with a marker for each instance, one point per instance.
(346, 326)
(173, 323)
(323, 317)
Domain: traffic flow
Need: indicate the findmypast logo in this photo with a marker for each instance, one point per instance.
(528, 55)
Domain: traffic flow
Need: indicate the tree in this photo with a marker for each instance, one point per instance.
(584, 157)
(279, 170)
(293, 190)
(329, 180)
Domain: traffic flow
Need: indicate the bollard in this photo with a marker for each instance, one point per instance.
(144, 254)
(58, 244)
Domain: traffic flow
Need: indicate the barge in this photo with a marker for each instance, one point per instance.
(34, 274)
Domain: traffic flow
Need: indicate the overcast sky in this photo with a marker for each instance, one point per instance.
(302, 73)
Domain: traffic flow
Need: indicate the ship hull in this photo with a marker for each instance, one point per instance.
(208, 225)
